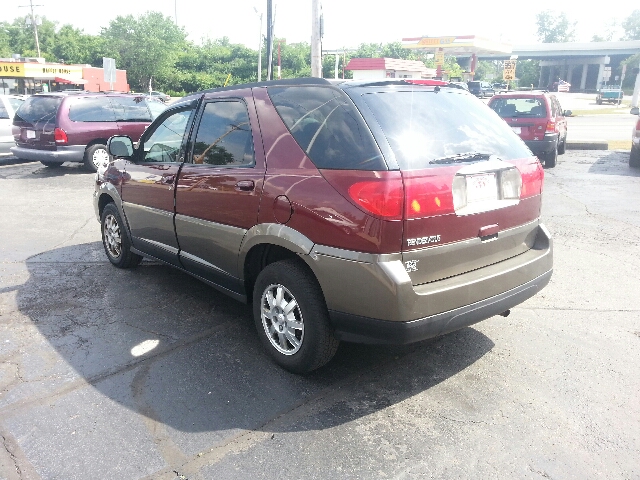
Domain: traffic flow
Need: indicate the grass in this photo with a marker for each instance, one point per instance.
(601, 111)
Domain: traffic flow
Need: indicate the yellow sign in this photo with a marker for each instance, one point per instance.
(509, 72)
(439, 57)
(11, 69)
(39, 70)
(436, 41)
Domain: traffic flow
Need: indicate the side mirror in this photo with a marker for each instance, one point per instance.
(120, 146)
(635, 111)
(567, 113)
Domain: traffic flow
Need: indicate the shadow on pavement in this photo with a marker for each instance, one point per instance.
(614, 163)
(175, 350)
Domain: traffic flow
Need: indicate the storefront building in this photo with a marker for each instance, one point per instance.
(29, 76)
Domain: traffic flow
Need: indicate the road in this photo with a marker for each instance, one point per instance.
(605, 127)
(150, 374)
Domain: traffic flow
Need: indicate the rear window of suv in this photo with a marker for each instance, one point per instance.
(38, 109)
(328, 127)
(519, 107)
(423, 125)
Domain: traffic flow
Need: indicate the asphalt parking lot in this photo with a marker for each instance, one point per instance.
(149, 374)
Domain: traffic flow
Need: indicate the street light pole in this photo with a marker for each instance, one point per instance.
(259, 46)
(316, 53)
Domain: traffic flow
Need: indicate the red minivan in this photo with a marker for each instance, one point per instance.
(376, 212)
(538, 119)
(54, 128)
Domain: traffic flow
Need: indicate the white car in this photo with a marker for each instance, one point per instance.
(8, 106)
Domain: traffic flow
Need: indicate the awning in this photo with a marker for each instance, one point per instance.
(70, 80)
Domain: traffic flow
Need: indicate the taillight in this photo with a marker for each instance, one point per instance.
(60, 136)
(428, 196)
(552, 127)
(383, 197)
(532, 179)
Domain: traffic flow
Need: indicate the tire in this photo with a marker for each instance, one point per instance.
(551, 158)
(634, 158)
(310, 343)
(52, 164)
(562, 147)
(115, 239)
(96, 156)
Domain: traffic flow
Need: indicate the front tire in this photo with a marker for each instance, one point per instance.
(291, 317)
(96, 157)
(563, 146)
(115, 240)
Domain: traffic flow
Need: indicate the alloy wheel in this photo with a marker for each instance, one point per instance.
(112, 236)
(282, 319)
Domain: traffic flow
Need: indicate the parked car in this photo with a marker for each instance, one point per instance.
(378, 212)
(610, 94)
(481, 89)
(54, 128)
(461, 85)
(8, 106)
(634, 156)
(539, 120)
(161, 96)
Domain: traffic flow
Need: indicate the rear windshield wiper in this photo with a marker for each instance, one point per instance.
(463, 157)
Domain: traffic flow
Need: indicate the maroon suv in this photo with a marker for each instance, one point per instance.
(539, 120)
(377, 212)
(55, 128)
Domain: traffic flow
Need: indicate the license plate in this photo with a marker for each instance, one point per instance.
(31, 134)
(517, 130)
(481, 188)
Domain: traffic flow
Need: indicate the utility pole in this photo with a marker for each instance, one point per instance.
(316, 46)
(259, 14)
(269, 38)
(33, 21)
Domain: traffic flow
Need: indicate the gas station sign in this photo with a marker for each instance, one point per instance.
(439, 57)
(509, 72)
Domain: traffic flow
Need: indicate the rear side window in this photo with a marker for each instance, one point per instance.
(131, 109)
(426, 125)
(224, 135)
(519, 107)
(3, 111)
(91, 109)
(38, 110)
(328, 127)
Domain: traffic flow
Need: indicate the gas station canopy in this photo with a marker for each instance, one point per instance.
(464, 45)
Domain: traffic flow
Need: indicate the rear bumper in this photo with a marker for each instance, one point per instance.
(375, 302)
(549, 144)
(71, 153)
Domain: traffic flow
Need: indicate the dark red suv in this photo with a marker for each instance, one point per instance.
(55, 128)
(539, 120)
(377, 212)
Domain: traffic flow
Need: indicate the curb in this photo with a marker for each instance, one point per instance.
(12, 161)
(588, 145)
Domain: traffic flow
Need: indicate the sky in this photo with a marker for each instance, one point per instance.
(348, 23)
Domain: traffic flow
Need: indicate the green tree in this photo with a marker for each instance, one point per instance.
(147, 46)
(631, 26)
(528, 72)
(555, 28)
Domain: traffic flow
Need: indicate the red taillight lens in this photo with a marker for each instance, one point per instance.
(532, 179)
(383, 198)
(60, 136)
(428, 196)
(551, 127)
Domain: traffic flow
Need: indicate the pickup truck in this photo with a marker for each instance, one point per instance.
(610, 94)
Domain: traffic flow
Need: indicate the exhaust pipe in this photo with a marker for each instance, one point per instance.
(506, 313)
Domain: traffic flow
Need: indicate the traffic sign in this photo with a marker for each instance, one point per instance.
(440, 57)
(109, 67)
(509, 72)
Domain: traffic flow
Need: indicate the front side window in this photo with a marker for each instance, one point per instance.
(164, 143)
(224, 135)
(91, 109)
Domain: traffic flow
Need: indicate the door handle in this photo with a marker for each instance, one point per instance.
(245, 185)
(168, 179)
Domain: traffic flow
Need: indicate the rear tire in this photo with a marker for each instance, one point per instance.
(291, 317)
(96, 156)
(551, 158)
(115, 239)
(634, 158)
(52, 164)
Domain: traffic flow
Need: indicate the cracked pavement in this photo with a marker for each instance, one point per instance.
(150, 374)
